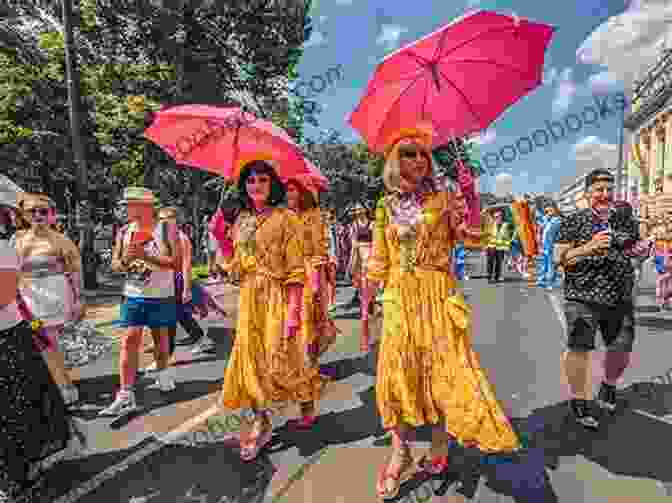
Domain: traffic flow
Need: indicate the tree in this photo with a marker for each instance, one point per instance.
(352, 170)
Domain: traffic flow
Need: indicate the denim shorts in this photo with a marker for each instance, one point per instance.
(152, 313)
(616, 325)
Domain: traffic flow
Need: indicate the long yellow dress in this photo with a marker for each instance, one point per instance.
(316, 324)
(266, 368)
(428, 372)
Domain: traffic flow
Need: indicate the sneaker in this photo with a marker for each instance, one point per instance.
(70, 394)
(150, 368)
(165, 381)
(606, 397)
(204, 346)
(123, 404)
(581, 410)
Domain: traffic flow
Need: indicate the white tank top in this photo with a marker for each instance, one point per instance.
(154, 284)
(9, 261)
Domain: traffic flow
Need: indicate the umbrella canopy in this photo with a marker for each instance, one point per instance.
(455, 81)
(223, 140)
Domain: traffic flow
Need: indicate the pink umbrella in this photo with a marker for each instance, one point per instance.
(313, 179)
(223, 140)
(457, 80)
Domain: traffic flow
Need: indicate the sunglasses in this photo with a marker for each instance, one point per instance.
(38, 211)
(258, 179)
(412, 153)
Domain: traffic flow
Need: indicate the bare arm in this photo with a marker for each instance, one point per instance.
(117, 260)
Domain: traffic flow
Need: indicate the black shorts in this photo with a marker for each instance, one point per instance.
(616, 324)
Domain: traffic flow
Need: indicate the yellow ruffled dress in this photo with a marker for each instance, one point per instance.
(266, 369)
(316, 323)
(428, 372)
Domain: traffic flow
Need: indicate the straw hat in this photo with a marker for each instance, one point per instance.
(139, 194)
(357, 209)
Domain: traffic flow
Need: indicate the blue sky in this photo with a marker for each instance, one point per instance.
(357, 34)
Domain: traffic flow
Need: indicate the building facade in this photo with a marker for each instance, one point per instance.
(567, 196)
(649, 159)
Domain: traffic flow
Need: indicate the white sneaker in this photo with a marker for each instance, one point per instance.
(70, 394)
(165, 380)
(150, 368)
(123, 404)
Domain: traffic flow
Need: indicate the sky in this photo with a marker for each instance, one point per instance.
(354, 35)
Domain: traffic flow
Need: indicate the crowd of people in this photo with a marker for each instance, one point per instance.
(285, 254)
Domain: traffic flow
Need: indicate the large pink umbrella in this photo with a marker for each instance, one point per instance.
(312, 179)
(223, 140)
(457, 80)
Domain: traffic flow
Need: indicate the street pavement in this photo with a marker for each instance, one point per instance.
(519, 337)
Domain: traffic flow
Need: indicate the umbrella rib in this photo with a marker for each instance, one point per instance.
(493, 63)
(396, 100)
(396, 79)
(481, 34)
(464, 97)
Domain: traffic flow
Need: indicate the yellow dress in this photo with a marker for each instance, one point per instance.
(428, 372)
(266, 368)
(316, 324)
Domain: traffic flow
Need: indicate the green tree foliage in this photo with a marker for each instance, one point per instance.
(135, 57)
(352, 170)
(446, 157)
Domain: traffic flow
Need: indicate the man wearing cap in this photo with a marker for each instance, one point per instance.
(147, 253)
(595, 247)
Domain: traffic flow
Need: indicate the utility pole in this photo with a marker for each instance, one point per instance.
(89, 262)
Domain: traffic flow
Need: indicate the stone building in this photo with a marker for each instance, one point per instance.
(650, 154)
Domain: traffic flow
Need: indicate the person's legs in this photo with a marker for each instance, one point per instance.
(56, 362)
(618, 331)
(499, 262)
(400, 466)
(162, 321)
(581, 325)
(491, 263)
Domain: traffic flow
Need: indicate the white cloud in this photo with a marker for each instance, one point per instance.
(485, 138)
(343, 2)
(390, 35)
(323, 19)
(565, 92)
(629, 44)
(316, 39)
(473, 3)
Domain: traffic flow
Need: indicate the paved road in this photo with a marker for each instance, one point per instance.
(520, 340)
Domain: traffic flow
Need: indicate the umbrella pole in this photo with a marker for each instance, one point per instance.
(470, 192)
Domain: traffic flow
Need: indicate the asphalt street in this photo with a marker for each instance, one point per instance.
(520, 340)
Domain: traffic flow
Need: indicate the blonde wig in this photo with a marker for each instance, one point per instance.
(391, 172)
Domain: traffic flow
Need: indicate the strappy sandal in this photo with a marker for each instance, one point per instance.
(251, 445)
(306, 422)
(405, 473)
(433, 465)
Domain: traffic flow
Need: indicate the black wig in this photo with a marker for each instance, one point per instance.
(278, 191)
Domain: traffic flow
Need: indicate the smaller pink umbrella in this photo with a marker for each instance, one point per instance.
(223, 140)
(313, 179)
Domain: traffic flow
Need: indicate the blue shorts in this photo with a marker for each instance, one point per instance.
(152, 313)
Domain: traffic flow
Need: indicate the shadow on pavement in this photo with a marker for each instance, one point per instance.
(98, 392)
(182, 473)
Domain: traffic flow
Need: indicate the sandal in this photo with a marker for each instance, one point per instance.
(305, 423)
(433, 465)
(251, 445)
(405, 472)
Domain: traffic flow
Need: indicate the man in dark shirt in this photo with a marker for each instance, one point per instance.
(595, 246)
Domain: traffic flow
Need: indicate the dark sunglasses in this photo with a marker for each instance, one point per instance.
(38, 211)
(258, 179)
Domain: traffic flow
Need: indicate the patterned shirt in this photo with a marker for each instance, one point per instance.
(603, 279)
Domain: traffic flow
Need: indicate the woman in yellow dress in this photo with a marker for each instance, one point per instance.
(267, 366)
(428, 372)
(319, 330)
